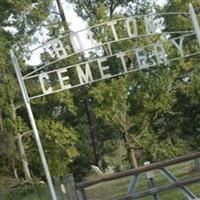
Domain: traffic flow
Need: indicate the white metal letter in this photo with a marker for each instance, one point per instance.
(160, 52)
(112, 25)
(149, 24)
(141, 58)
(195, 22)
(103, 68)
(63, 78)
(179, 45)
(84, 77)
(76, 42)
(128, 22)
(121, 56)
(58, 48)
(42, 77)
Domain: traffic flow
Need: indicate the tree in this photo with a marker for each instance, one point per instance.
(115, 110)
(96, 12)
(26, 18)
(152, 103)
(188, 81)
(153, 112)
(26, 169)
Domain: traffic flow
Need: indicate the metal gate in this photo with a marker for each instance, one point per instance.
(153, 190)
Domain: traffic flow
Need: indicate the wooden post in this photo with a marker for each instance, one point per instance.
(70, 187)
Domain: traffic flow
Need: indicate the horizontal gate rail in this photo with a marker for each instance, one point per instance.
(105, 178)
(156, 190)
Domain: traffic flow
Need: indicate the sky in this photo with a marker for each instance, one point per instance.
(76, 22)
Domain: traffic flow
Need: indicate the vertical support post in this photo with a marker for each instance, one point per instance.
(150, 177)
(195, 22)
(184, 190)
(70, 187)
(33, 124)
(133, 184)
(82, 194)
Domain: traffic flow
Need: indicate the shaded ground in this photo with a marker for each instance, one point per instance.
(11, 190)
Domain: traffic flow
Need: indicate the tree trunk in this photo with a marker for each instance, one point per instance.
(23, 157)
(15, 170)
(131, 151)
(133, 159)
(62, 14)
(92, 125)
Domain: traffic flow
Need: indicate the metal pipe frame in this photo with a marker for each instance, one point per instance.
(33, 124)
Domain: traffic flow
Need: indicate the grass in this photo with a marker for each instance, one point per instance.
(112, 189)
(27, 192)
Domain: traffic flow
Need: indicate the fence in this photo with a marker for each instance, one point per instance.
(65, 188)
(175, 183)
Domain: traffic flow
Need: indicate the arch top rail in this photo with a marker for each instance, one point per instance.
(158, 165)
(88, 28)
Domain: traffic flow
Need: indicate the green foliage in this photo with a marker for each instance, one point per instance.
(153, 103)
(26, 17)
(156, 109)
(59, 143)
(31, 192)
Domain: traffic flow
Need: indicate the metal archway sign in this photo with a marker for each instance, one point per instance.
(96, 68)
